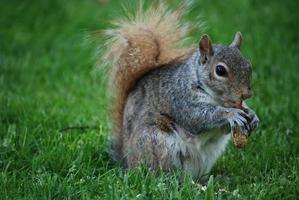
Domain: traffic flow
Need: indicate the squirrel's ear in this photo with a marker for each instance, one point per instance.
(237, 40)
(205, 48)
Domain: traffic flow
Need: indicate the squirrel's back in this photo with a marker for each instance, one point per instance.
(139, 44)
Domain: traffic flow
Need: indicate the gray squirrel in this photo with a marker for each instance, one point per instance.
(168, 100)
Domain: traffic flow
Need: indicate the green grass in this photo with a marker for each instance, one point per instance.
(48, 82)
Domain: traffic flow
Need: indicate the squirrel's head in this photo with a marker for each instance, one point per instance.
(228, 73)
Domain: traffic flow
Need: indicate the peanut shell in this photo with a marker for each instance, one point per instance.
(239, 139)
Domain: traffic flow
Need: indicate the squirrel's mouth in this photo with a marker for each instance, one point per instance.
(230, 102)
(223, 100)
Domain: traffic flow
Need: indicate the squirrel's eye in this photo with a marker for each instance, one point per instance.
(220, 70)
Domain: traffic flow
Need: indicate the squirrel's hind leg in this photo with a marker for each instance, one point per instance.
(147, 147)
(158, 147)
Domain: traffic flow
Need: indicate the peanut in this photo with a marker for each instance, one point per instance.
(239, 139)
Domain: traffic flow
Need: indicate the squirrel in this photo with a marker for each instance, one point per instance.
(168, 110)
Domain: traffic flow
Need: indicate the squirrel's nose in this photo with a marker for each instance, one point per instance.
(246, 93)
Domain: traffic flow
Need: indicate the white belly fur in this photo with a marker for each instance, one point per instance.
(196, 154)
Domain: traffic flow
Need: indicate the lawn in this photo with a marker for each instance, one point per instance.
(54, 124)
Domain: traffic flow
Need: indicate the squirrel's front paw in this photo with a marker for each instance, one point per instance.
(237, 117)
(254, 120)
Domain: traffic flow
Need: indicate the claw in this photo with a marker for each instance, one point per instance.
(244, 130)
(254, 123)
(240, 119)
(245, 115)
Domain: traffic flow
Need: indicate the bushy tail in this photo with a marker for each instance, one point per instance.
(139, 44)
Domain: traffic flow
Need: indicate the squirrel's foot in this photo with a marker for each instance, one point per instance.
(237, 117)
